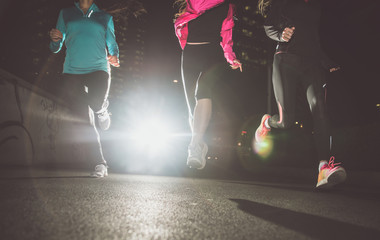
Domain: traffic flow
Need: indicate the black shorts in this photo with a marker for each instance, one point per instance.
(202, 67)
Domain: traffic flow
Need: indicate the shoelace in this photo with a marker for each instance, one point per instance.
(104, 115)
(331, 163)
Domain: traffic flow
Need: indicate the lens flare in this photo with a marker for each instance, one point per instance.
(263, 148)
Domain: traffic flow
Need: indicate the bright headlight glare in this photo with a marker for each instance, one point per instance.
(152, 136)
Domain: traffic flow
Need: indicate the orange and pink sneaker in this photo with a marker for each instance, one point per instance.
(330, 175)
(262, 130)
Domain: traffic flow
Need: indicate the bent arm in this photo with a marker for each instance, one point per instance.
(274, 33)
(113, 48)
(226, 34)
(272, 22)
(55, 47)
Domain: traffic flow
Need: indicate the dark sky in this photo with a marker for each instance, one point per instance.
(162, 45)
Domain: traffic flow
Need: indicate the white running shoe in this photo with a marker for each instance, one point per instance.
(104, 120)
(104, 117)
(100, 171)
(197, 156)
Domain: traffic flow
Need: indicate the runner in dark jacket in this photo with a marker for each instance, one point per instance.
(299, 60)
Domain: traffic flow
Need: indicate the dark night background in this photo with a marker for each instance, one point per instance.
(349, 34)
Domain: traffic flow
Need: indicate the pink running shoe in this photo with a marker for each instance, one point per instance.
(331, 175)
(262, 130)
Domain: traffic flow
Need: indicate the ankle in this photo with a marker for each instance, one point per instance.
(196, 140)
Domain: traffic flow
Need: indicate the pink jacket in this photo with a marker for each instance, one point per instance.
(194, 9)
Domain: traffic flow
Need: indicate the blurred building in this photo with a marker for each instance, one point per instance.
(130, 34)
(251, 42)
(25, 42)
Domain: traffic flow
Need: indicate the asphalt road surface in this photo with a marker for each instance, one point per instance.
(70, 205)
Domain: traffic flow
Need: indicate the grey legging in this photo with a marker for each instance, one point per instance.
(289, 71)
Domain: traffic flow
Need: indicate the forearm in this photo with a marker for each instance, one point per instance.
(229, 53)
(226, 34)
(273, 23)
(55, 47)
(274, 33)
(227, 45)
(58, 34)
(113, 48)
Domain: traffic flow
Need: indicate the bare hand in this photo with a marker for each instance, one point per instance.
(55, 35)
(334, 69)
(287, 34)
(114, 61)
(237, 64)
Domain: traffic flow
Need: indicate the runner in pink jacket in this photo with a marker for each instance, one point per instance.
(196, 8)
(204, 30)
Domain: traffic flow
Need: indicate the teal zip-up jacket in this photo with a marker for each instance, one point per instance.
(87, 38)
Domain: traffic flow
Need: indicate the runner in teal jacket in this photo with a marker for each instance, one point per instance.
(88, 34)
(86, 37)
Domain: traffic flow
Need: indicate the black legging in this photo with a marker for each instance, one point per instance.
(202, 66)
(97, 83)
(289, 70)
(79, 100)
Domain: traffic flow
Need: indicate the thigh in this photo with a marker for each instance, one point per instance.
(97, 84)
(191, 69)
(202, 67)
(213, 70)
(73, 91)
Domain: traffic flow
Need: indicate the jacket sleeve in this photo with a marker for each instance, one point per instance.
(113, 48)
(274, 33)
(55, 47)
(226, 34)
(272, 26)
(181, 29)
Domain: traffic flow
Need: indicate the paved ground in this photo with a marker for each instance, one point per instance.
(46, 204)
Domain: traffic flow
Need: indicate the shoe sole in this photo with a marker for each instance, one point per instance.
(194, 163)
(333, 180)
(97, 175)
